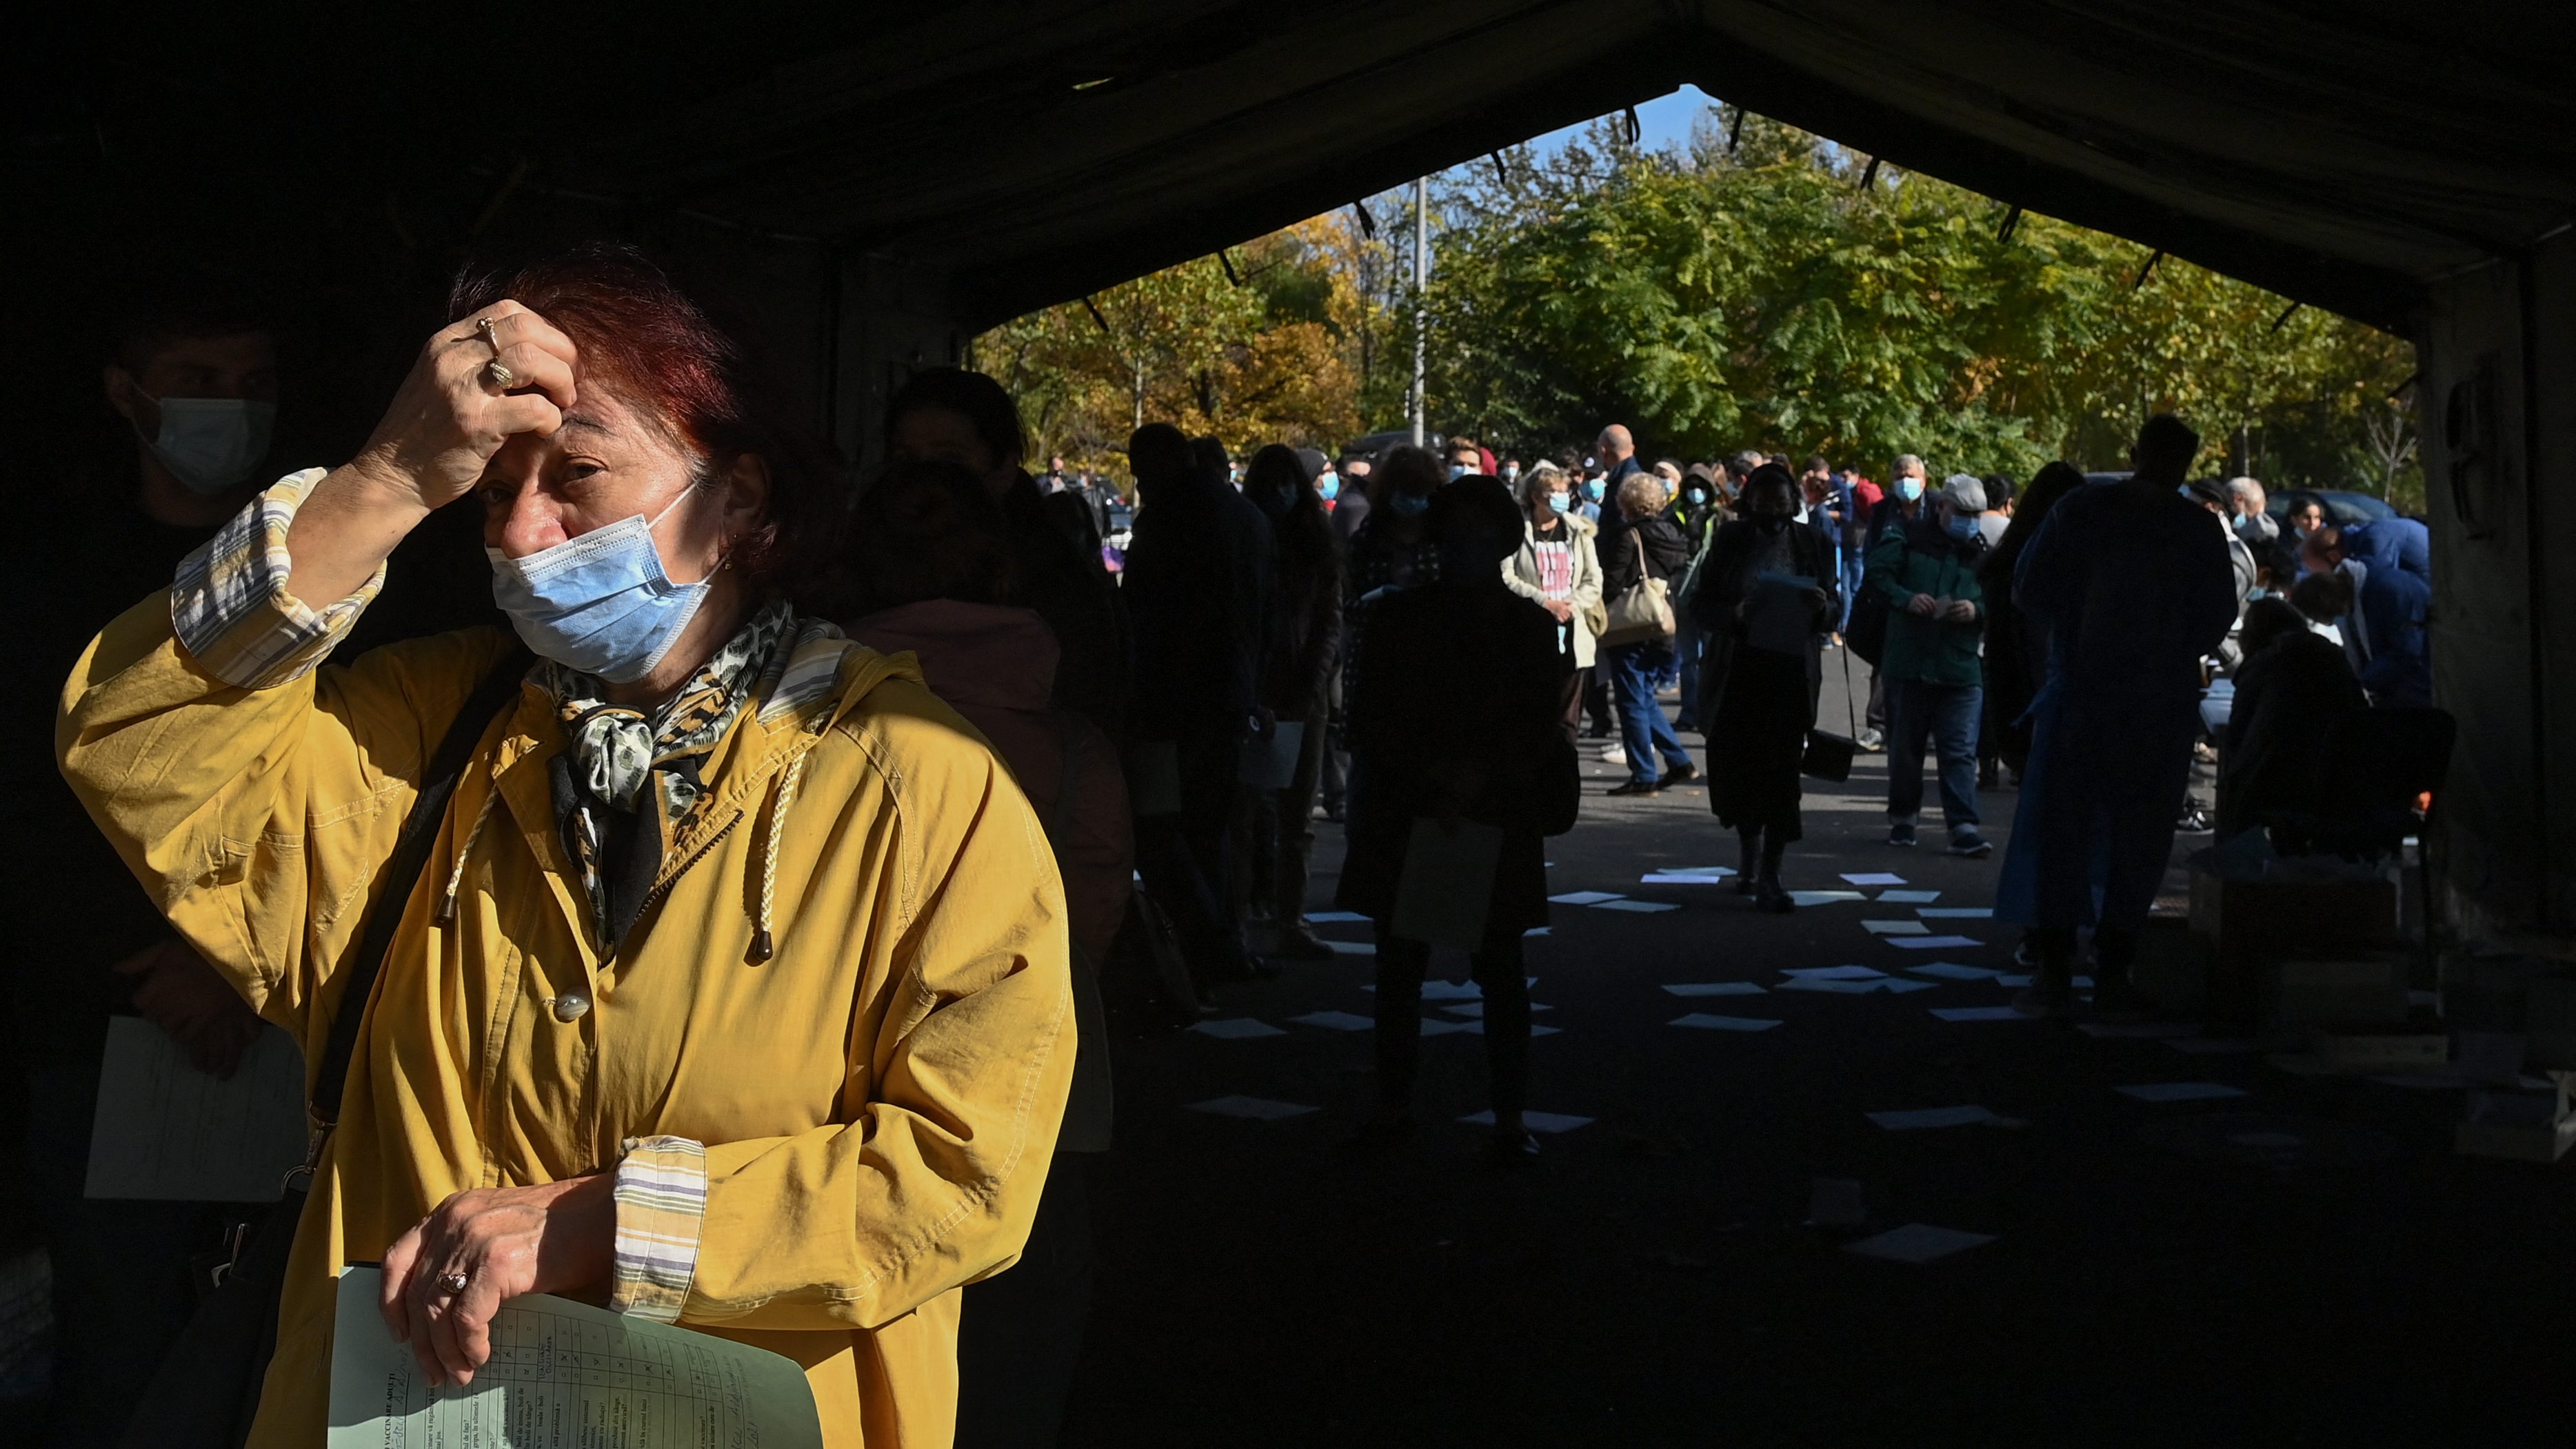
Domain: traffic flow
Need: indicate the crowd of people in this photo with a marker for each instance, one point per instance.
(838, 805)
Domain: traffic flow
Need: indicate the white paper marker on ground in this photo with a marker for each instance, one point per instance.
(1899, 986)
(1827, 985)
(1980, 1013)
(1477, 1008)
(1908, 898)
(1234, 1028)
(1804, 899)
(1584, 898)
(1955, 913)
(1534, 1121)
(1875, 878)
(1714, 988)
(1436, 989)
(1334, 1021)
(1933, 943)
(1708, 1022)
(1321, 918)
(1834, 973)
(1537, 1028)
(1443, 1025)
(1714, 875)
(1258, 1109)
(1640, 907)
(1953, 971)
(1918, 1117)
(1353, 948)
(1917, 1243)
(1896, 928)
(2179, 1091)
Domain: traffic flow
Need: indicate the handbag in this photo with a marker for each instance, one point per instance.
(1642, 612)
(1828, 756)
(206, 1392)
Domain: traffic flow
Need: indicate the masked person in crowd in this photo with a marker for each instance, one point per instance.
(1350, 499)
(1557, 568)
(734, 987)
(2307, 514)
(2247, 514)
(950, 415)
(1902, 504)
(2016, 660)
(935, 577)
(1459, 688)
(1465, 457)
(2130, 588)
(190, 373)
(1307, 630)
(1649, 547)
(1760, 697)
(1201, 592)
(1933, 675)
(1394, 549)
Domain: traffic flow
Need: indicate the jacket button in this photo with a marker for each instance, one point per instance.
(571, 1005)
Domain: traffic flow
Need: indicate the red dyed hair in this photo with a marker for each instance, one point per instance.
(655, 348)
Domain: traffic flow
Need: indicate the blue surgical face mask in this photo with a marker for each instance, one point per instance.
(1457, 470)
(1410, 505)
(1910, 489)
(1329, 485)
(1592, 489)
(600, 603)
(1698, 495)
(1510, 472)
(210, 444)
(1962, 526)
(1561, 502)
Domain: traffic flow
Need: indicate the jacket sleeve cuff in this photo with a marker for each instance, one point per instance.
(229, 606)
(661, 1197)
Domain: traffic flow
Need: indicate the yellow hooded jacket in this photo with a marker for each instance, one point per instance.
(877, 1101)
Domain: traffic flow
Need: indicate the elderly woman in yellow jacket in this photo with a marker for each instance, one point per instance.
(735, 991)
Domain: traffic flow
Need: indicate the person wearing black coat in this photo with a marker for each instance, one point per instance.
(2016, 662)
(1761, 702)
(1200, 591)
(2292, 690)
(1455, 714)
(1647, 545)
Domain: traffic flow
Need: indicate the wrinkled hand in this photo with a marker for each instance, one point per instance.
(1562, 610)
(1922, 606)
(1959, 611)
(447, 419)
(186, 998)
(508, 1242)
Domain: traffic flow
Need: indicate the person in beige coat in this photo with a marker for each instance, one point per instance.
(1556, 565)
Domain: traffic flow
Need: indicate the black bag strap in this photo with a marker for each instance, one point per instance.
(411, 856)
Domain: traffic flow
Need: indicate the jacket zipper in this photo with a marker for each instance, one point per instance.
(654, 896)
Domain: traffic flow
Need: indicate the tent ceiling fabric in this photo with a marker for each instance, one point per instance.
(2342, 152)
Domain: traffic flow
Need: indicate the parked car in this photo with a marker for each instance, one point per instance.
(2341, 507)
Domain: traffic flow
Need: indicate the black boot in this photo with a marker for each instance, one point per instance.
(2052, 988)
(1751, 868)
(2115, 994)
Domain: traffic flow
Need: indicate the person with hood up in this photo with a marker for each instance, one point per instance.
(1455, 715)
(1760, 700)
(733, 990)
(937, 580)
(2130, 586)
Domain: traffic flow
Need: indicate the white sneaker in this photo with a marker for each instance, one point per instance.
(1614, 755)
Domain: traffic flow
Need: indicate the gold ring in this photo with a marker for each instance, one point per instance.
(454, 1283)
(503, 379)
(491, 338)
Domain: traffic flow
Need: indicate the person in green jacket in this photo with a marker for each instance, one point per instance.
(1936, 622)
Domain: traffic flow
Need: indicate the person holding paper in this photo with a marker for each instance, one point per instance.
(1931, 671)
(735, 988)
(1557, 568)
(1456, 716)
(1767, 599)
(1307, 625)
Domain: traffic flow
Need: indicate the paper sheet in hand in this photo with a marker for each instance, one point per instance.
(168, 1132)
(562, 1375)
(1448, 882)
(1270, 764)
(1782, 613)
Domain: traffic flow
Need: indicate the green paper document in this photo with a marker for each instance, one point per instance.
(563, 1375)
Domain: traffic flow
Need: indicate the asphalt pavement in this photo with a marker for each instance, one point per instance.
(2227, 1253)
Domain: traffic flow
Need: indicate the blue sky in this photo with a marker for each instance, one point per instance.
(1664, 121)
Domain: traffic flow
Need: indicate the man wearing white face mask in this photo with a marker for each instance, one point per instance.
(190, 373)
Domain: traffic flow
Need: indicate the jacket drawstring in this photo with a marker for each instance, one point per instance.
(760, 943)
(456, 878)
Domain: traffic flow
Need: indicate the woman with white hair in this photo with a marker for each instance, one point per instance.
(2248, 515)
(1650, 548)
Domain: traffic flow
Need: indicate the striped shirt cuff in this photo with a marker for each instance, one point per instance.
(661, 1196)
(229, 606)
